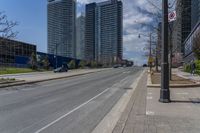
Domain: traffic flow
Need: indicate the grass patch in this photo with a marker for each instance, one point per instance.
(15, 70)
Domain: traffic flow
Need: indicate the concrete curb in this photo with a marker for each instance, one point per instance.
(9, 82)
(38, 81)
(109, 122)
(151, 85)
(28, 73)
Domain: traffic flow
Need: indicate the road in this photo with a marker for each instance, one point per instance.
(72, 105)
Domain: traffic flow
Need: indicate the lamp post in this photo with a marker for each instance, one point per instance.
(165, 92)
(150, 55)
(170, 54)
(56, 55)
(150, 47)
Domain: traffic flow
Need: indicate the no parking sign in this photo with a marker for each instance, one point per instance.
(172, 16)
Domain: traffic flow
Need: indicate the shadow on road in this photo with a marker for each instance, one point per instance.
(191, 100)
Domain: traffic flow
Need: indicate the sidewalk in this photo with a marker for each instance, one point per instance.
(144, 114)
(186, 75)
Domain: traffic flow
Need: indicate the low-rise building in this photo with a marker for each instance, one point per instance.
(15, 53)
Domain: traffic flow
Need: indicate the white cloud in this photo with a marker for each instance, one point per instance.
(132, 44)
(88, 1)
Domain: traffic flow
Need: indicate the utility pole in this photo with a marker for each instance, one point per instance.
(150, 58)
(157, 55)
(165, 92)
(150, 48)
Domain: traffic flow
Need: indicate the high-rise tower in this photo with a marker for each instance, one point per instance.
(104, 31)
(80, 37)
(61, 27)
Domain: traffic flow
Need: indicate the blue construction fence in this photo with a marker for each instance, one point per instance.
(19, 62)
(23, 62)
(59, 59)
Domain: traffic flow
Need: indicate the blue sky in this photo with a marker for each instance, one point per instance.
(32, 18)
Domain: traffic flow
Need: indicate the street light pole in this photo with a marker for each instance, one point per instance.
(150, 48)
(165, 92)
(156, 58)
(170, 54)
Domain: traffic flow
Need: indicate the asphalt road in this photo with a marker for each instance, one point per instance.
(72, 105)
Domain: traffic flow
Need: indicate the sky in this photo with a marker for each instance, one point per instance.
(31, 16)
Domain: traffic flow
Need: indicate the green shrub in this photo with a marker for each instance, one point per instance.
(93, 64)
(197, 63)
(82, 64)
(187, 68)
(72, 64)
(33, 61)
(46, 63)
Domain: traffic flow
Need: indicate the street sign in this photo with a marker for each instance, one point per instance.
(151, 60)
(172, 16)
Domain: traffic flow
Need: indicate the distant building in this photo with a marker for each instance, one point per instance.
(61, 27)
(90, 24)
(104, 31)
(195, 12)
(182, 25)
(15, 53)
(80, 37)
(194, 37)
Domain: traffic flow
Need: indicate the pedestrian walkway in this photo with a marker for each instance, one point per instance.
(186, 75)
(145, 114)
(179, 116)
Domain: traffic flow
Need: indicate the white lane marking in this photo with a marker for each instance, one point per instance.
(149, 98)
(150, 113)
(28, 89)
(127, 72)
(184, 93)
(65, 115)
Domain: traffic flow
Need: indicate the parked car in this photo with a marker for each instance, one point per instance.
(61, 69)
(117, 66)
(145, 65)
(124, 66)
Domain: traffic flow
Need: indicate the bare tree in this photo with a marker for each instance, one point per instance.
(6, 32)
(155, 12)
(6, 27)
